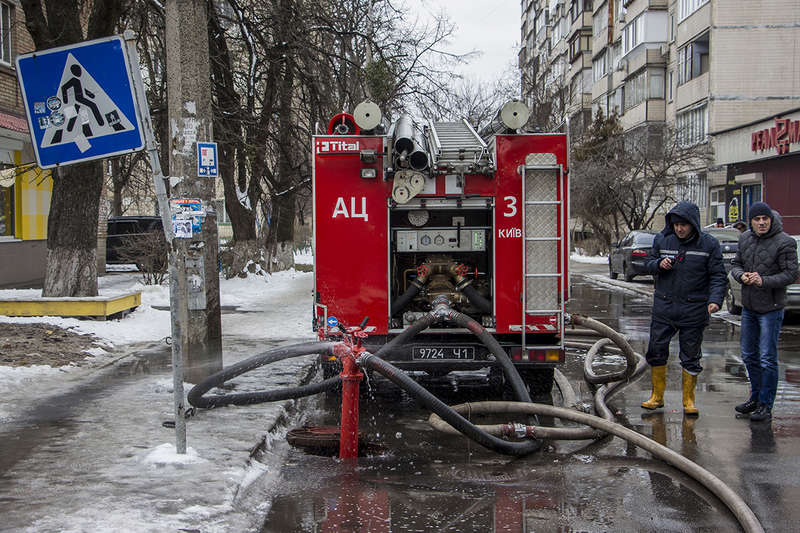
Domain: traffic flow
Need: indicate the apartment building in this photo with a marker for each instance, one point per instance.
(25, 190)
(716, 70)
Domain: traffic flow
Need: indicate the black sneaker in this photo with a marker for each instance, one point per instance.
(747, 407)
(762, 414)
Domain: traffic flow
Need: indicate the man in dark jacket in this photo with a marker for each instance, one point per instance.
(690, 284)
(765, 264)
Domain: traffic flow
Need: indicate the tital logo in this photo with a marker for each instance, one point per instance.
(335, 146)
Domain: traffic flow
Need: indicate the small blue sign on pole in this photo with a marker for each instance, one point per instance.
(207, 166)
(80, 102)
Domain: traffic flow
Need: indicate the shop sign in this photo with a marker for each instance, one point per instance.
(784, 133)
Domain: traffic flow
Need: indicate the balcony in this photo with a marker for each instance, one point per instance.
(693, 25)
(692, 91)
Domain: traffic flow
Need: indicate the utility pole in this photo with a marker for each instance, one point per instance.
(190, 121)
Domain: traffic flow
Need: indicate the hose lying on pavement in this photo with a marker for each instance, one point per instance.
(602, 425)
(197, 399)
(464, 426)
(737, 506)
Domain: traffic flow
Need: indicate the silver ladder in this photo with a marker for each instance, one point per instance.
(455, 143)
(542, 247)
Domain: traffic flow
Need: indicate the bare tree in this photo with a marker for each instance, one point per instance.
(545, 92)
(72, 226)
(623, 180)
(273, 89)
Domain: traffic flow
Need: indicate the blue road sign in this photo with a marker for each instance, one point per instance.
(332, 321)
(207, 166)
(80, 102)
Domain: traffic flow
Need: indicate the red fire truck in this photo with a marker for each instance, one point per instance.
(431, 210)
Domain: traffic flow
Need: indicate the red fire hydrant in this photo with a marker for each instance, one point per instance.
(347, 352)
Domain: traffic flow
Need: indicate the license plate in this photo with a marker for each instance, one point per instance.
(441, 353)
(729, 255)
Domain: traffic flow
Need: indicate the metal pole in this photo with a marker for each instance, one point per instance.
(177, 268)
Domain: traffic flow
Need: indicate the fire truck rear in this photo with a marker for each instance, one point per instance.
(425, 212)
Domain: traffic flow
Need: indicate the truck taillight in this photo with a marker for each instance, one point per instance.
(537, 356)
(639, 253)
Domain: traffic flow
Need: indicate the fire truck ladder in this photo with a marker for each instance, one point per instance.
(543, 245)
(455, 143)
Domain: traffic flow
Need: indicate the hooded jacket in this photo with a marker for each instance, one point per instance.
(697, 277)
(774, 257)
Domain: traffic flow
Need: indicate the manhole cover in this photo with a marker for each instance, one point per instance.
(325, 441)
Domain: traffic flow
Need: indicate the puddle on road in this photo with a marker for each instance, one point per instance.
(431, 482)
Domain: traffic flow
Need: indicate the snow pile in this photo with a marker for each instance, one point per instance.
(304, 257)
(14, 377)
(166, 454)
(595, 260)
(276, 295)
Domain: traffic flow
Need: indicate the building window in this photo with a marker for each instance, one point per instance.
(7, 210)
(692, 125)
(716, 205)
(5, 33)
(687, 7)
(693, 59)
(656, 83)
(600, 66)
(619, 10)
(600, 20)
(579, 43)
(579, 6)
(633, 35)
(671, 28)
(669, 87)
(635, 90)
(693, 188)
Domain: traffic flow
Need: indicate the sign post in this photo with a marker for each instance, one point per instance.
(179, 306)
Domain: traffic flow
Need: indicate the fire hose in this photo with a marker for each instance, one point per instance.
(451, 419)
(603, 424)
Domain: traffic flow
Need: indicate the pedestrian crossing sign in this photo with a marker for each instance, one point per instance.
(80, 102)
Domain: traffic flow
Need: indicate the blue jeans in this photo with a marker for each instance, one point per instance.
(759, 343)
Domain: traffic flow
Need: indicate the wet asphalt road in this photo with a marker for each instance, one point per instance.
(425, 481)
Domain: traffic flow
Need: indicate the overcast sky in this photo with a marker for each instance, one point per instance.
(488, 26)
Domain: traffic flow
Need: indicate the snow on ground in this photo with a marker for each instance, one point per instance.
(269, 307)
(592, 259)
(102, 427)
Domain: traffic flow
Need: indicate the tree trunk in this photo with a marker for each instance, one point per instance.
(246, 257)
(72, 231)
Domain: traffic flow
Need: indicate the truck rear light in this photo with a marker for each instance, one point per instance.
(537, 356)
(639, 253)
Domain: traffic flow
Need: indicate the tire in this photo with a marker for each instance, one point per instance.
(611, 273)
(629, 274)
(730, 303)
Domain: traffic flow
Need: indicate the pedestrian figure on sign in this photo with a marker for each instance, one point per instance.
(690, 284)
(765, 264)
(80, 94)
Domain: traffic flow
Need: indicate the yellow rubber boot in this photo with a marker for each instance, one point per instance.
(689, 384)
(658, 374)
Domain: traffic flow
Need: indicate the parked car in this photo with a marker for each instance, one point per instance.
(627, 256)
(729, 242)
(138, 240)
(733, 300)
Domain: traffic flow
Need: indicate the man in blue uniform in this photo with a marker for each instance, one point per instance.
(690, 284)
